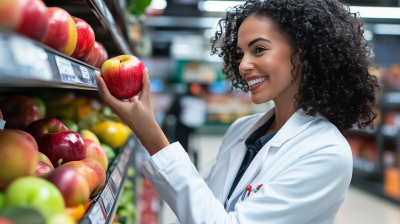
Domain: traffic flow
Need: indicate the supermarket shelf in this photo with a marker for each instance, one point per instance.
(117, 8)
(98, 15)
(27, 63)
(104, 206)
(373, 186)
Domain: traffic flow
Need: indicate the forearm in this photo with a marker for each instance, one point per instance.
(156, 142)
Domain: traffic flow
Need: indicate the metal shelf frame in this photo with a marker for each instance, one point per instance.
(104, 206)
(28, 63)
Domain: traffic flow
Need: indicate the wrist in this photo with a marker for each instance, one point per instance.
(156, 142)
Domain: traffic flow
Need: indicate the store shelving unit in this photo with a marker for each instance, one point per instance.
(98, 15)
(104, 205)
(369, 175)
(26, 64)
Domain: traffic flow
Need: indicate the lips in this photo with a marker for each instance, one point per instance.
(255, 82)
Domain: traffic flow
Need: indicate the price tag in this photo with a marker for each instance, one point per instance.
(116, 177)
(108, 199)
(121, 165)
(66, 71)
(96, 216)
(85, 74)
(2, 124)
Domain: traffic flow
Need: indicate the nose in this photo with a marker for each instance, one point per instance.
(246, 65)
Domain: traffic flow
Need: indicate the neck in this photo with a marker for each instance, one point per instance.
(284, 108)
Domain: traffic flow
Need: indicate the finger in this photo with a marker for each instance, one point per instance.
(134, 99)
(105, 93)
(145, 92)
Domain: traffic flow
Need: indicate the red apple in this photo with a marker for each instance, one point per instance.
(10, 14)
(27, 136)
(34, 19)
(85, 42)
(94, 56)
(19, 112)
(45, 159)
(56, 142)
(61, 31)
(95, 151)
(123, 76)
(103, 56)
(72, 185)
(43, 168)
(18, 157)
(86, 171)
(100, 172)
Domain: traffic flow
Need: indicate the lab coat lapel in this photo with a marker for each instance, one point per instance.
(235, 161)
(252, 169)
(238, 152)
(297, 123)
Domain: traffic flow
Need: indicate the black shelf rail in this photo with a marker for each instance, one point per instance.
(104, 206)
(28, 63)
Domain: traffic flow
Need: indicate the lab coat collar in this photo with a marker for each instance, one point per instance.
(297, 123)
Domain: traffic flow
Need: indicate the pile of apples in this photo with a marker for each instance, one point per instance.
(53, 27)
(45, 166)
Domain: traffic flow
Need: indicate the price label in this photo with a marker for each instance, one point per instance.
(66, 71)
(128, 151)
(85, 74)
(2, 124)
(121, 165)
(96, 216)
(108, 199)
(116, 177)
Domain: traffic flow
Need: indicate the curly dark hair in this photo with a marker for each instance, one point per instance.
(329, 39)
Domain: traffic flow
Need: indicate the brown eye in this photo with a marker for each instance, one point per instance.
(259, 49)
(240, 55)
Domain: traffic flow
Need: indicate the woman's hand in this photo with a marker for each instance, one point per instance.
(138, 114)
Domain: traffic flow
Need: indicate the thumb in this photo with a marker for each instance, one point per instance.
(145, 93)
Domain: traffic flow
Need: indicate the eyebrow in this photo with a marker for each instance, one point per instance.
(254, 41)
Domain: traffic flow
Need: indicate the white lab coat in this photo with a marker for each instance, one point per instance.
(305, 170)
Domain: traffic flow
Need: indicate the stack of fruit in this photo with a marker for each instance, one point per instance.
(46, 164)
(53, 27)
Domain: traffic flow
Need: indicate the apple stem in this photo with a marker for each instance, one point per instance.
(59, 162)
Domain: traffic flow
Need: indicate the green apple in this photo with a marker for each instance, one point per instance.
(35, 192)
(72, 126)
(41, 106)
(89, 135)
(60, 219)
(109, 151)
(2, 200)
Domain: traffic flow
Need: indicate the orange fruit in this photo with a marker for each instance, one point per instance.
(87, 204)
(76, 212)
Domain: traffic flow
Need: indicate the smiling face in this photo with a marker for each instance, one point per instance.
(266, 61)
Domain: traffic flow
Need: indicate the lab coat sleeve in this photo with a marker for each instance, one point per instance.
(315, 183)
(177, 181)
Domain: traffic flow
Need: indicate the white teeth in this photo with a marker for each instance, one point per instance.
(255, 81)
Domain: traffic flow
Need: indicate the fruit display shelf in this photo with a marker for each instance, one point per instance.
(99, 16)
(104, 206)
(27, 63)
(374, 186)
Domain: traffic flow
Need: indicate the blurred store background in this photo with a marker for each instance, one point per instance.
(194, 104)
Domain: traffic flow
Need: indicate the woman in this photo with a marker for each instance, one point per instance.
(291, 164)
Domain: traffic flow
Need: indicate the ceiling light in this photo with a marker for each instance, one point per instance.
(387, 29)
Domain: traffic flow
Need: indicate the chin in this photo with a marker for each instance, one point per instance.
(259, 99)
